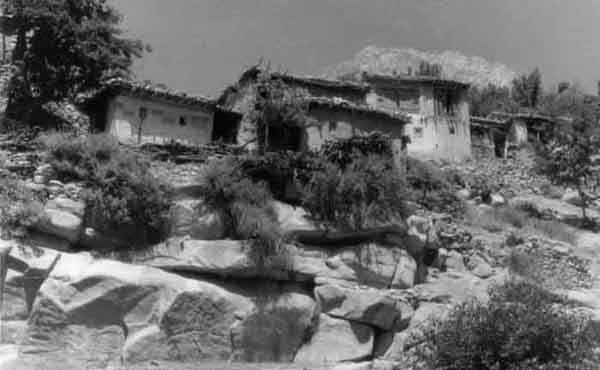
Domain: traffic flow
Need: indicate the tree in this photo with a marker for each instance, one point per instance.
(563, 104)
(568, 159)
(278, 107)
(491, 98)
(527, 89)
(65, 48)
(429, 69)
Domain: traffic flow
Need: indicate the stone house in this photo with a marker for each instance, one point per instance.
(488, 138)
(334, 110)
(242, 98)
(498, 133)
(139, 113)
(439, 127)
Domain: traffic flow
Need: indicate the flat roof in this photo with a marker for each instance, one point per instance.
(341, 104)
(405, 79)
(149, 90)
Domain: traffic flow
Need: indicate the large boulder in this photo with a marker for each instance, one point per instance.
(65, 204)
(292, 218)
(370, 264)
(62, 224)
(394, 346)
(336, 341)
(105, 310)
(226, 258)
(421, 234)
(572, 197)
(375, 307)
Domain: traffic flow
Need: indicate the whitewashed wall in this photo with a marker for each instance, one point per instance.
(162, 124)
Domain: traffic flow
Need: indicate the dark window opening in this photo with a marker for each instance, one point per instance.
(285, 138)
(225, 128)
(182, 121)
(333, 125)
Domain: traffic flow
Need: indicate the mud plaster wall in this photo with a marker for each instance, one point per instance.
(164, 122)
(330, 124)
(436, 137)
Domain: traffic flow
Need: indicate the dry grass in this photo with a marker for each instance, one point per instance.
(505, 218)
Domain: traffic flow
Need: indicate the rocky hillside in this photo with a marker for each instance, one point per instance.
(202, 299)
(471, 69)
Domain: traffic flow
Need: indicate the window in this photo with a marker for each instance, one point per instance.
(452, 129)
(182, 121)
(445, 103)
(418, 132)
(333, 125)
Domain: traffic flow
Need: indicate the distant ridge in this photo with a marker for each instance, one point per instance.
(470, 69)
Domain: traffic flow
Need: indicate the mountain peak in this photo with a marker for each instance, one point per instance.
(457, 66)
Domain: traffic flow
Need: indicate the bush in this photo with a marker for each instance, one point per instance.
(482, 187)
(20, 208)
(244, 205)
(343, 152)
(521, 327)
(78, 158)
(284, 172)
(367, 192)
(123, 199)
(431, 188)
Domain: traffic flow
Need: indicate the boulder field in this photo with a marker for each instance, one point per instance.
(198, 308)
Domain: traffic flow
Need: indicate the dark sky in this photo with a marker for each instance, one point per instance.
(202, 45)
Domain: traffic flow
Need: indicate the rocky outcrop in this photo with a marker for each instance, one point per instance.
(142, 313)
(378, 308)
(372, 264)
(337, 340)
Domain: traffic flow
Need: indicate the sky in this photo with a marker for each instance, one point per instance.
(200, 46)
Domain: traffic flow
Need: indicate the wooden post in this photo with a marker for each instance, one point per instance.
(4, 252)
(143, 113)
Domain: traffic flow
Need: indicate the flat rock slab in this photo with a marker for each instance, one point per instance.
(336, 341)
(369, 306)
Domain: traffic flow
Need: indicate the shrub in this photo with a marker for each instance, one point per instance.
(78, 158)
(430, 187)
(521, 327)
(367, 192)
(284, 172)
(20, 208)
(123, 199)
(482, 187)
(244, 205)
(343, 152)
